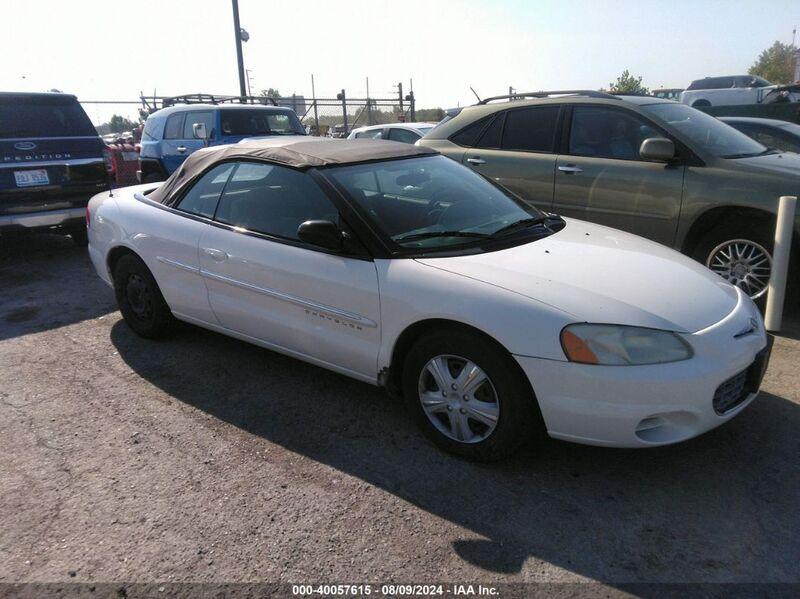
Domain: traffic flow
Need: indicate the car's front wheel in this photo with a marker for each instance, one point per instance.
(468, 396)
(740, 256)
(139, 298)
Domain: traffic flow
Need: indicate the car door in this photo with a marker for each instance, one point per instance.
(179, 139)
(266, 284)
(517, 150)
(172, 237)
(600, 176)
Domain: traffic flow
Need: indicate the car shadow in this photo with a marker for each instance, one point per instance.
(718, 508)
(46, 282)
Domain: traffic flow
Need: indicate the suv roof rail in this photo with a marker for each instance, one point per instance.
(215, 99)
(590, 93)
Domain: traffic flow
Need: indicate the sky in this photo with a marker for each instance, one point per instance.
(113, 49)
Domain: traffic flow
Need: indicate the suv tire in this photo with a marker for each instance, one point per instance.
(747, 249)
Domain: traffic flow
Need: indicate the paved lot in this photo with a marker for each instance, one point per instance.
(206, 459)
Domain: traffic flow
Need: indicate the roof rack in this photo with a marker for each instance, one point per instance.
(590, 93)
(215, 99)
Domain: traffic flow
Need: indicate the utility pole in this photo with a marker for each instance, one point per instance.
(314, 100)
(400, 94)
(238, 32)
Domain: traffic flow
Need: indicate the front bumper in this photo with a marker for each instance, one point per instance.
(643, 406)
(66, 218)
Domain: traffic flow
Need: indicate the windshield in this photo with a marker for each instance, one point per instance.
(432, 202)
(708, 133)
(260, 122)
(32, 116)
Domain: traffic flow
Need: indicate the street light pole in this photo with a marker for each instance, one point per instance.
(239, 59)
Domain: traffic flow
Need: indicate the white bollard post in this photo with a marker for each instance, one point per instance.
(780, 263)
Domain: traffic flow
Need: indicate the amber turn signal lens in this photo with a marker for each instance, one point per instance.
(576, 349)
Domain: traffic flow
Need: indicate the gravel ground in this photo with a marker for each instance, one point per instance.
(202, 458)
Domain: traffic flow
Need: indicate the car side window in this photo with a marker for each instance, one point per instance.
(530, 129)
(174, 126)
(272, 199)
(492, 136)
(370, 134)
(402, 135)
(202, 197)
(468, 136)
(206, 117)
(603, 132)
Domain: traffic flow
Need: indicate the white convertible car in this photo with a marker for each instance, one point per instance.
(396, 266)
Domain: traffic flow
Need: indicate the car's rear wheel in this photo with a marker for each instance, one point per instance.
(741, 257)
(140, 300)
(468, 396)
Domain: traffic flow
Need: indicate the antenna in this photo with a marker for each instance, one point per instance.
(476, 93)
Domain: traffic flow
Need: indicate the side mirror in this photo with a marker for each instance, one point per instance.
(322, 233)
(659, 149)
(199, 131)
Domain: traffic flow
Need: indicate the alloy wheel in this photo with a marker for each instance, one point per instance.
(743, 263)
(459, 399)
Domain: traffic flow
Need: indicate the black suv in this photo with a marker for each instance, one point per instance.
(51, 163)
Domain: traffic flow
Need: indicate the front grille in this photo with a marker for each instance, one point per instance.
(738, 388)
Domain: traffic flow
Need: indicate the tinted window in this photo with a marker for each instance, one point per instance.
(607, 133)
(712, 83)
(492, 137)
(531, 129)
(371, 134)
(31, 116)
(427, 196)
(403, 135)
(273, 200)
(468, 136)
(174, 126)
(260, 121)
(202, 198)
(206, 117)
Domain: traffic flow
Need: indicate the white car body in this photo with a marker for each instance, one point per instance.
(384, 131)
(348, 314)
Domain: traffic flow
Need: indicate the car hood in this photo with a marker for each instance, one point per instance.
(598, 274)
(783, 163)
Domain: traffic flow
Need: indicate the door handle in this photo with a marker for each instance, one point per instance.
(181, 149)
(476, 160)
(216, 255)
(570, 169)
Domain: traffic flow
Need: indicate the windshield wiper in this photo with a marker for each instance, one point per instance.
(432, 234)
(519, 225)
(751, 154)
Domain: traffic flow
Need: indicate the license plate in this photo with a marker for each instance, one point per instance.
(31, 178)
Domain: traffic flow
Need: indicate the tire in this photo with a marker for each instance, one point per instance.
(79, 237)
(140, 300)
(711, 252)
(701, 103)
(518, 417)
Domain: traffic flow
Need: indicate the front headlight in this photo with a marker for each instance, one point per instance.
(620, 345)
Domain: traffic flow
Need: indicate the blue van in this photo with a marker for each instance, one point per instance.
(51, 163)
(171, 134)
